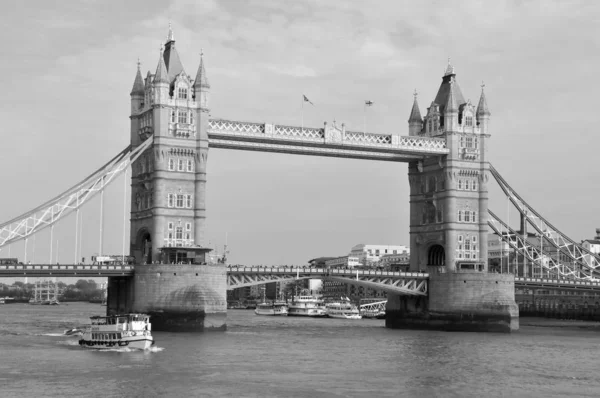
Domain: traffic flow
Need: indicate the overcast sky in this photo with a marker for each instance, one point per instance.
(67, 69)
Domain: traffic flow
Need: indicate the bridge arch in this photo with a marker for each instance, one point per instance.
(143, 247)
(436, 255)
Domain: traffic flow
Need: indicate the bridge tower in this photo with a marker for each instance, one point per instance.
(173, 281)
(448, 221)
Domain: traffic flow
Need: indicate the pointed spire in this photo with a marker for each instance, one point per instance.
(482, 107)
(161, 75)
(170, 36)
(415, 113)
(201, 79)
(450, 105)
(449, 69)
(138, 83)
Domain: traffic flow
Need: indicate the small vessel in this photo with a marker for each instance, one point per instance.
(45, 293)
(2, 301)
(272, 308)
(129, 330)
(343, 309)
(73, 332)
(306, 305)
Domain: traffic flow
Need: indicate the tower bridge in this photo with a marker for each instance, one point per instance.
(449, 284)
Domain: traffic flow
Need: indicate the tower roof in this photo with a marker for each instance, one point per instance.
(451, 105)
(442, 95)
(171, 57)
(415, 113)
(138, 83)
(161, 75)
(201, 79)
(482, 107)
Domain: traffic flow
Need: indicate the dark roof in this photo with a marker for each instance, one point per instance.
(442, 95)
(415, 113)
(482, 107)
(161, 75)
(319, 259)
(201, 80)
(138, 83)
(172, 60)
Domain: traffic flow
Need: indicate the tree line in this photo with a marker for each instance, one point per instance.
(82, 290)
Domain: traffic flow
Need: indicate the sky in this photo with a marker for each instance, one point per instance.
(68, 67)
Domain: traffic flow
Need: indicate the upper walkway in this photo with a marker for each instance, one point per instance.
(327, 141)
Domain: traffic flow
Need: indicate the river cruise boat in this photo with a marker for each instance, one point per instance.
(273, 308)
(130, 330)
(343, 309)
(306, 305)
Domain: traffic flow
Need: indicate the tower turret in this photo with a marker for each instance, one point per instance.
(137, 91)
(451, 110)
(415, 121)
(483, 112)
(201, 85)
(171, 57)
(161, 80)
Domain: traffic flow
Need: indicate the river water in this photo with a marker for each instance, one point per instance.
(261, 356)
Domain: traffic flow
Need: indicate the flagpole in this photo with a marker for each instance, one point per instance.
(365, 118)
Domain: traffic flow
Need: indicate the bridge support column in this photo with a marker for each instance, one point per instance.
(181, 298)
(461, 301)
(119, 295)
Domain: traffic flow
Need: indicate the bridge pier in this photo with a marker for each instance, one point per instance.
(459, 301)
(179, 298)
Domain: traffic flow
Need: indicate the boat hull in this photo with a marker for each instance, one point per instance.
(311, 312)
(135, 343)
(270, 312)
(345, 316)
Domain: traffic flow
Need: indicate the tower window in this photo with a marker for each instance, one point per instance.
(191, 117)
(190, 166)
(469, 142)
(170, 226)
(180, 165)
(171, 164)
(173, 117)
(182, 117)
(188, 226)
(467, 185)
(188, 201)
(178, 233)
(460, 216)
(460, 184)
(182, 93)
(474, 186)
(170, 200)
(469, 121)
(179, 201)
(467, 216)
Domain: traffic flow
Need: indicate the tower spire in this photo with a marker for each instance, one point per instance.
(201, 79)
(415, 113)
(482, 107)
(138, 83)
(161, 75)
(170, 36)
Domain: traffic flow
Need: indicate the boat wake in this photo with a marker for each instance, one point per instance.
(53, 334)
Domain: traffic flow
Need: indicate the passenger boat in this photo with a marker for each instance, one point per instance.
(343, 309)
(306, 305)
(272, 308)
(129, 330)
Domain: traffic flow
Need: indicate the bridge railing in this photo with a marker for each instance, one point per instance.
(57, 267)
(326, 272)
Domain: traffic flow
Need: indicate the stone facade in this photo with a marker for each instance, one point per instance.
(168, 187)
(448, 223)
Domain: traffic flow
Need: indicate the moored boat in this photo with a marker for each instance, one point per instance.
(272, 308)
(129, 330)
(306, 305)
(343, 309)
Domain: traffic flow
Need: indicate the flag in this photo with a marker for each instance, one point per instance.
(307, 100)
(368, 103)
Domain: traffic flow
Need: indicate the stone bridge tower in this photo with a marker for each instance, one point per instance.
(448, 222)
(174, 280)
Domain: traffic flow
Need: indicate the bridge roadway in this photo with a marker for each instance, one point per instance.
(412, 283)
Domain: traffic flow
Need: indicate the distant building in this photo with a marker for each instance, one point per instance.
(368, 255)
(395, 262)
(343, 262)
(593, 245)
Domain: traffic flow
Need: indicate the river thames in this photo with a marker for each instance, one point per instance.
(261, 356)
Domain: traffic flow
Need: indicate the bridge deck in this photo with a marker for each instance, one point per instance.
(71, 270)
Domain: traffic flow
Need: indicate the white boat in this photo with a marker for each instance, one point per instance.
(273, 308)
(343, 309)
(306, 305)
(130, 330)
